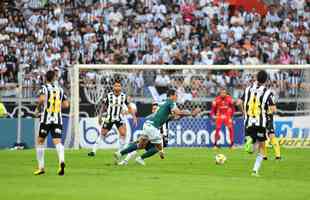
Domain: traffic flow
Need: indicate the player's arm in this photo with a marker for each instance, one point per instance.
(132, 111)
(65, 102)
(40, 100)
(103, 107)
(213, 109)
(177, 113)
(232, 106)
(272, 104)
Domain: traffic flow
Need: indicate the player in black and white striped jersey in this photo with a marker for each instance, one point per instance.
(256, 101)
(53, 99)
(115, 104)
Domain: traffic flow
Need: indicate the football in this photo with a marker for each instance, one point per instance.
(220, 159)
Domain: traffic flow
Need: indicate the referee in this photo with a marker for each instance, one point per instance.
(255, 103)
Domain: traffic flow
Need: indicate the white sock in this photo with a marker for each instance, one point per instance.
(130, 155)
(258, 162)
(61, 152)
(40, 156)
(98, 140)
(122, 143)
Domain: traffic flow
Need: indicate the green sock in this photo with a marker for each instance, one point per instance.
(150, 152)
(131, 147)
(248, 147)
(149, 146)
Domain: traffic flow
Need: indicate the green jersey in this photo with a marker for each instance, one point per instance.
(162, 115)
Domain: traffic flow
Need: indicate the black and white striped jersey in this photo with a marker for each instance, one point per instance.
(115, 105)
(256, 101)
(54, 96)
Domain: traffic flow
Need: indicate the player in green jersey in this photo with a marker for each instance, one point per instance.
(151, 129)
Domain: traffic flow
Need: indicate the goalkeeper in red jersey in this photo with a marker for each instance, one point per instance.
(222, 112)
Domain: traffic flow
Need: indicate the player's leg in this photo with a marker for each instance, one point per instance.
(229, 123)
(122, 135)
(40, 149)
(104, 131)
(141, 144)
(56, 135)
(155, 145)
(276, 146)
(260, 135)
(249, 141)
(218, 126)
(265, 152)
(129, 156)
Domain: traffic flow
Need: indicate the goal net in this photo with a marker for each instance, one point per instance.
(196, 86)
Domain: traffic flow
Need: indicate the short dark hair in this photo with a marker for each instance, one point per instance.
(262, 76)
(171, 92)
(50, 75)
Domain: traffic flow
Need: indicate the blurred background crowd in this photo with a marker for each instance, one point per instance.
(38, 35)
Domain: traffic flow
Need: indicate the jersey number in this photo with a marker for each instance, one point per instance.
(254, 107)
(54, 103)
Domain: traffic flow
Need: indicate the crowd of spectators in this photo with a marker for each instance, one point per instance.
(37, 35)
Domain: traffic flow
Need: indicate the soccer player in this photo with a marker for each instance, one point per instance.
(115, 104)
(255, 103)
(163, 131)
(222, 111)
(151, 129)
(272, 138)
(53, 99)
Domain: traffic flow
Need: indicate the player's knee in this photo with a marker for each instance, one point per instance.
(40, 140)
(56, 141)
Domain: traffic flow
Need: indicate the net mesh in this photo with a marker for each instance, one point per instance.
(195, 87)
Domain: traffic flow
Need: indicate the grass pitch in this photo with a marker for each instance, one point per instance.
(185, 174)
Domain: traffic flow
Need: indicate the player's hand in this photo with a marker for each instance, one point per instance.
(161, 154)
(196, 111)
(36, 112)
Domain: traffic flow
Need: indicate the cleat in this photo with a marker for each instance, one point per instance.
(123, 162)
(255, 173)
(140, 161)
(117, 156)
(61, 170)
(278, 158)
(91, 154)
(265, 158)
(39, 172)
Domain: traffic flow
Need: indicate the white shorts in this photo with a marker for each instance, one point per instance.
(151, 133)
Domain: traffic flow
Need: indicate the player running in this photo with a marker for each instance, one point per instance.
(151, 129)
(222, 111)
(255, 103)
(115, 104)
(164, 134)
(53, 99)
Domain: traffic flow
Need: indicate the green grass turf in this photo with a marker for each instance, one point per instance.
(188, 173)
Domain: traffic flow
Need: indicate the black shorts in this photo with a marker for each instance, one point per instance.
(270, 128)
(257, 133)
(54, 129)
(108, 125)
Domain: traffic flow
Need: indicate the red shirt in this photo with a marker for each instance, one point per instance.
(223, 106)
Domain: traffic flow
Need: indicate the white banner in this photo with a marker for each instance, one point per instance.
(293, 131)
(90, 130)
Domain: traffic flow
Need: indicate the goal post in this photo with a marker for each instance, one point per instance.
(198, 70)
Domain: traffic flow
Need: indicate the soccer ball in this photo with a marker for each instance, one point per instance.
(220, 159)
